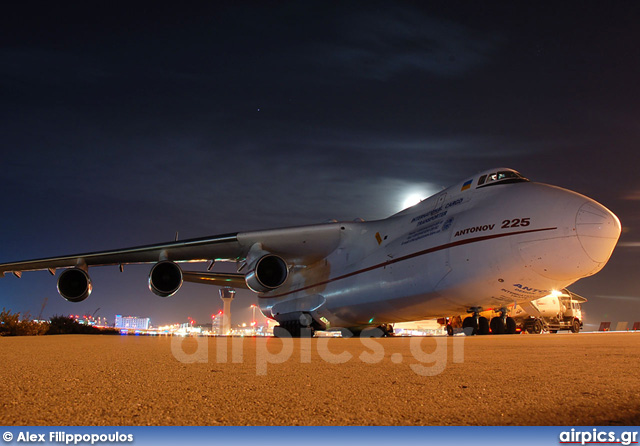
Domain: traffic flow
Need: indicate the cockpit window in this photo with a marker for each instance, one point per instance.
(502, 177)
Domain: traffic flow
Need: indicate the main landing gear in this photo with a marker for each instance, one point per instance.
(303, 327)
(381, 331)
(293, 329)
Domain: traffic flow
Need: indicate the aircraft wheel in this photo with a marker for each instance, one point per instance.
(575, 327)
(449, 330)
(373, 332)
(511, 326)
(292, 329)
(281, 332)
(537, 327)
(497, 326)
(483, 326)
(470, 322)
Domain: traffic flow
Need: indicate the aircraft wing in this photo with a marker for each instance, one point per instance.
(297, 245)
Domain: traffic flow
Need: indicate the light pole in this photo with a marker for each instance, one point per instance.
(253, 317)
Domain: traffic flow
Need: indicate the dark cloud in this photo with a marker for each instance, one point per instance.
(379, 45)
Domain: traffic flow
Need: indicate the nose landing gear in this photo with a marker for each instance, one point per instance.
(476, 324)
(503, 324)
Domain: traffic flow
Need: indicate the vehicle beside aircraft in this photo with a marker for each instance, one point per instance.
(560, 310)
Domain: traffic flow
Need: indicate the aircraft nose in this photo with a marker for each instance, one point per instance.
(586, 234)
(598, 230)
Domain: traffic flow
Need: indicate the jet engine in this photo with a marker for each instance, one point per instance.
(268, 273)
(74, 284)
(165, 278)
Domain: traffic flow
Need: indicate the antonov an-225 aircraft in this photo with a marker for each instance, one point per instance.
(491, 241)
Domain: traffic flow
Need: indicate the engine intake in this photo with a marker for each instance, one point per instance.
(74, 284)
(268, 273)
(165, 278)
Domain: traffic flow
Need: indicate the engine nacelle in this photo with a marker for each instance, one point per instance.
(74, 284)
(165, 278)
(268, 273)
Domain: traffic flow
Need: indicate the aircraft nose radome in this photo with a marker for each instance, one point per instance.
(598, 230)
(587, 233)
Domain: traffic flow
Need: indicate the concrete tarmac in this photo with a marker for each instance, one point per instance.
(561, 379)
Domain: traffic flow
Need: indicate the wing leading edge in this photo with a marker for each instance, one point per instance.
(300, 245)
(221, 247)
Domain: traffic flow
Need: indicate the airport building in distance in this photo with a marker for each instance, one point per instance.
(132, 322)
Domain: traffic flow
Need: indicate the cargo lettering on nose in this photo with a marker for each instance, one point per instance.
(475, 229)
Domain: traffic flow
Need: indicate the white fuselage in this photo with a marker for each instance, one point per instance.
(461, 248)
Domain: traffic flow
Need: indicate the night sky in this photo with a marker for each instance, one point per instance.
(121, 124)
